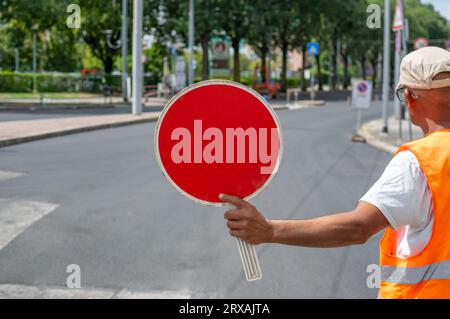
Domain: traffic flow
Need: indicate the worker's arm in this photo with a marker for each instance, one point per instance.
(337, 230)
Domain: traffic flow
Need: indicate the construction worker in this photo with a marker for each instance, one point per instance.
(411, 200)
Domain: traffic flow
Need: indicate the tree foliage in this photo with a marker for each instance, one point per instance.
(267, 25)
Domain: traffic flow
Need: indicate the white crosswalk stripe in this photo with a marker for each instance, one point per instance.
(18, 215)
(5, 175)
(9, 291)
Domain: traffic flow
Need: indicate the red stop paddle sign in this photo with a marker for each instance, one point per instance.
(218, 137)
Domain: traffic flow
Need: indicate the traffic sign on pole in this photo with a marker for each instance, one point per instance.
(361, 94)
(420, 43)
(398, 18)
(218, 137)
(313, 48)
(361, 99)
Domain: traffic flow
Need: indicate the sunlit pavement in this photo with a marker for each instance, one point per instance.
(101, 202)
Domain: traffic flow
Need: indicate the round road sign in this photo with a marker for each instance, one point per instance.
(218, 137)
(420, 43)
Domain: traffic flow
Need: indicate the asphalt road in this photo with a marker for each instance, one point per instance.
(126, 227)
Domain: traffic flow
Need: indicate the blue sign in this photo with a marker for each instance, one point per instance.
(448, 45)
(362, 87)
(313, 48)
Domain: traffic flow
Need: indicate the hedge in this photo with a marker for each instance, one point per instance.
(62, 82)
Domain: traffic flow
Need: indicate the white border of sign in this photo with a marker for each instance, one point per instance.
(207, 83)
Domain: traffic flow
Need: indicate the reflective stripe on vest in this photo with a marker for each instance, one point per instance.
(415, 275)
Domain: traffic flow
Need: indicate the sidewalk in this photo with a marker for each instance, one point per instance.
(389, 142)
(75, 103)
(15, 132)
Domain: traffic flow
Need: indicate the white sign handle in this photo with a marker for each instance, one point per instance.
(249, 259)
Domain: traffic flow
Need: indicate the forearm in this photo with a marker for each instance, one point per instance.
(329, 231)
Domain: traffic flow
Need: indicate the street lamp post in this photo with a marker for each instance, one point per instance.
(34, 29)
(34, 51)
(17, 59)
(191, 42)
(137, 57)
(122, 43)
(124, 36)
(386, 65)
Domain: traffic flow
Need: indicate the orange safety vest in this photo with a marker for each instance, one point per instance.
(427, 274)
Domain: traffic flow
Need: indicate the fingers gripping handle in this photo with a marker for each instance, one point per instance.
(249, 259)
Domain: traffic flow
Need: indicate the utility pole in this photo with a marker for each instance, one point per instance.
(398, 36)
(386, 65)
(338, 61)
(35, 28)
(137, 57)
(399, 29)
(330, 67)
(124, 41)
(17, 60)
(191, 42)
(34, 51)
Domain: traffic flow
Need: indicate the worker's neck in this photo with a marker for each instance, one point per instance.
(432, 125)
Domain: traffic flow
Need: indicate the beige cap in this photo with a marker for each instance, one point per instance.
(420, 67)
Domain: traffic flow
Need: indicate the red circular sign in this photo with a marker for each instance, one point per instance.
(218, 137)
(420, 42)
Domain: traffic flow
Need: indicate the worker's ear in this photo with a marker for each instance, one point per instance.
(410, 98)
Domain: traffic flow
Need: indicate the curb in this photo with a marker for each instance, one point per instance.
(58, 107)
(374, 141)
(304, 104)
(30, 138)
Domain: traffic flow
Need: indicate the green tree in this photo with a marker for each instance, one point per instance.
(235, 20)
(96, 18)
(285, 30)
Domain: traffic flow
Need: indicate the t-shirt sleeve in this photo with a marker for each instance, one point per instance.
(401, 191)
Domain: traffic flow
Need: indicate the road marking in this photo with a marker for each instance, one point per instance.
(12, 291)
(18, 215)
(304, 104)
(5, 175)
(9, 291)
(167, 294)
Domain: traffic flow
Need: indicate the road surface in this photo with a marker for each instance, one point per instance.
(98, 200)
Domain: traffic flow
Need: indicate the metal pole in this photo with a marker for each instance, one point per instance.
(313, 80)
(17, 60)
(405, 39)
(338, 61)
(330, 67)
(386, 65)
(397, 104)
(358, 120)
(34, 52)
(124, 41)
(137, 56)
(191, 42)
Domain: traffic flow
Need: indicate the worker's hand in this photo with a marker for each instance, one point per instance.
(246, 222)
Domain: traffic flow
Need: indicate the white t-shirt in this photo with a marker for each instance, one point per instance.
(403, 196)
